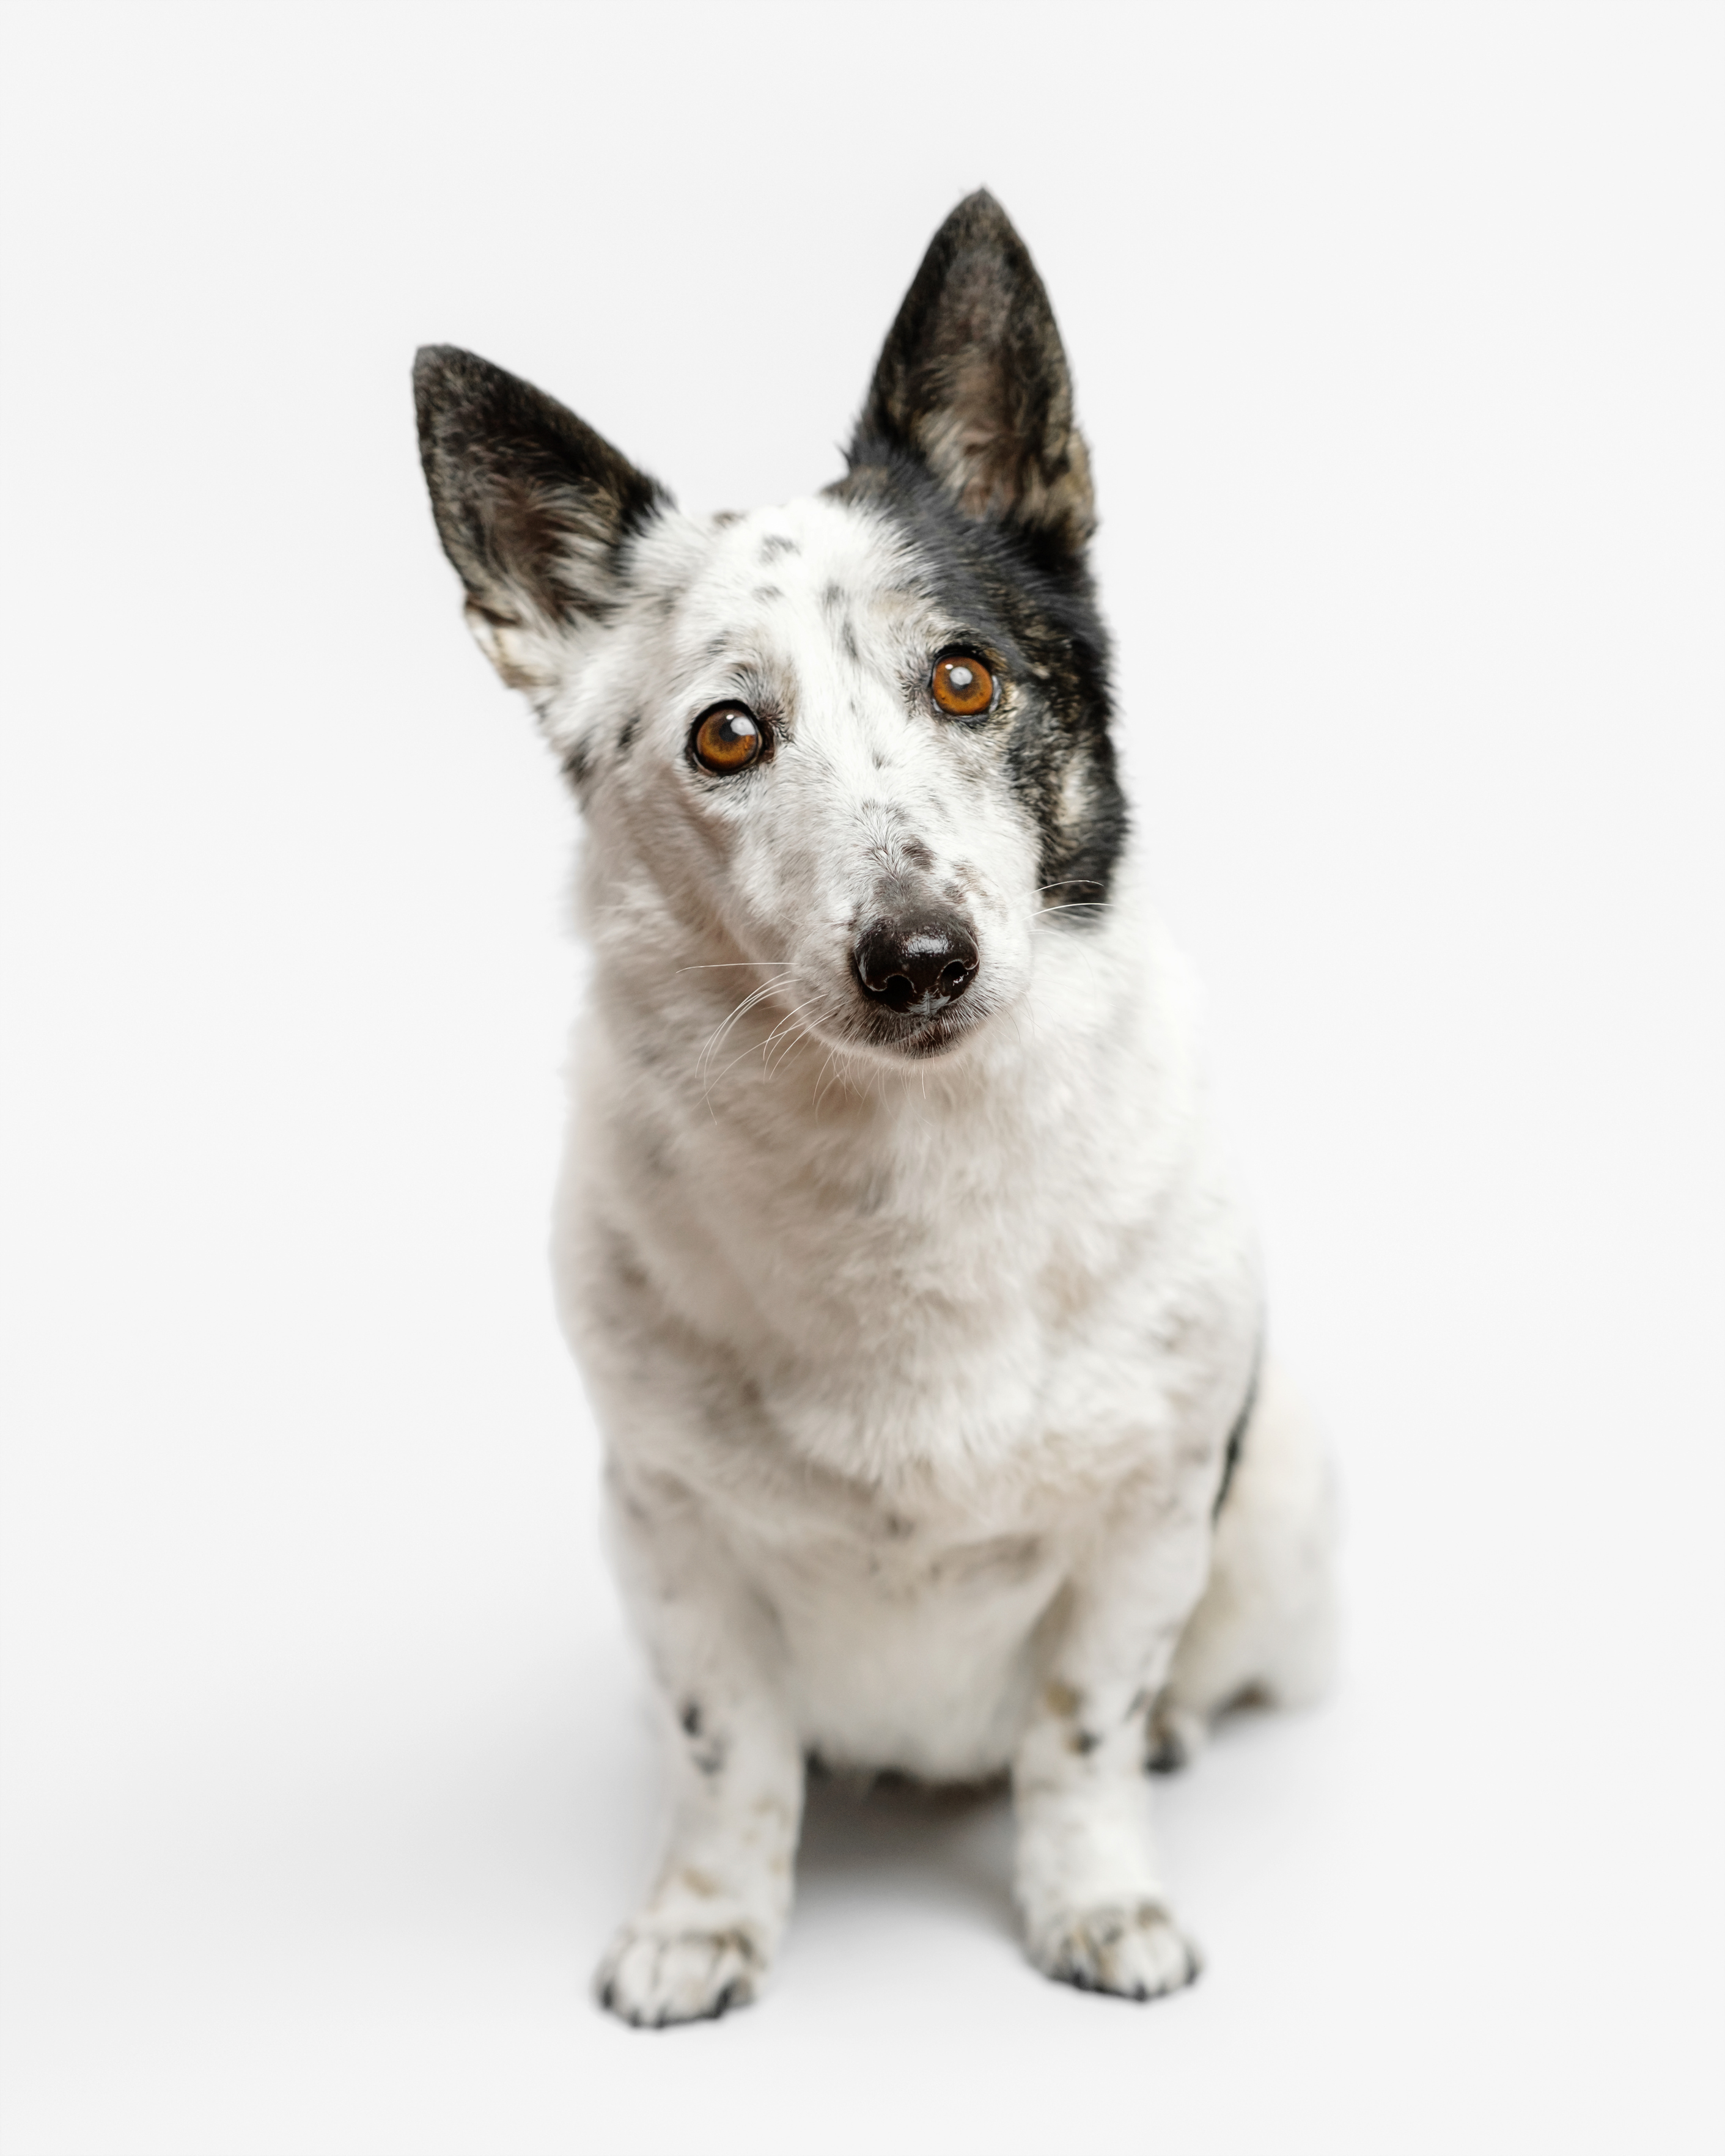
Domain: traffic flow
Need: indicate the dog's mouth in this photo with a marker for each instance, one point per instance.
(919, 1034)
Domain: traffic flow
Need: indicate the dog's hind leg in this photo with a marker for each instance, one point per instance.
(1265, 1627)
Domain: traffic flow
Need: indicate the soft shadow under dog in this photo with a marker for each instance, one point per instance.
(945, 1843)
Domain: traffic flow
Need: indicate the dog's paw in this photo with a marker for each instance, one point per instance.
(653, 1976)
(1132, 1950)
(1177, 1734)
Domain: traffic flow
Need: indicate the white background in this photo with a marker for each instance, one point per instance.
(1398, 337)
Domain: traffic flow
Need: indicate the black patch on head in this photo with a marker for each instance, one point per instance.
(533, 508)
(968, 444)
(1034, 611)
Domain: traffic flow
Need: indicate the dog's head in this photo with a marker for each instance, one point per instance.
(861, 742)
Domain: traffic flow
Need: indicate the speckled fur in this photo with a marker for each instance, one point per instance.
(916, 1353)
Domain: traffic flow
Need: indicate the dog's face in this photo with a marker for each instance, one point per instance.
(860, 742)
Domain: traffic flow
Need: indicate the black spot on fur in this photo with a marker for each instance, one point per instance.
(847, 638)
(832, 599)
(1168, 1754)
(1237, 1435)
(766, 592)
(776, 542)
(627, 731)
(708, 1750)
(576, 762)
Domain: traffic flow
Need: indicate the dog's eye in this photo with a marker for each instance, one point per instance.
(727, 738)
(962, 684)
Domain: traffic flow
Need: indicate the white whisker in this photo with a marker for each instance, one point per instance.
(715, 1039)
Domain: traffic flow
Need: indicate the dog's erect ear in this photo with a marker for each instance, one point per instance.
(972, 380)
(533, 508)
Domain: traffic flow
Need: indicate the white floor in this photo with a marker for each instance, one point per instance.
(1399, 336)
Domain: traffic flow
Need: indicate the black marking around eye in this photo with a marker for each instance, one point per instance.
(1034, 604)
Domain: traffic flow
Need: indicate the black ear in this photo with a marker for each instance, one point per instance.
(972, 380)
(533, 508)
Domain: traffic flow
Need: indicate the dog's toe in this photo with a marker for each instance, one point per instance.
(1133, 1951)
(1177, 1734)
(654, 1977)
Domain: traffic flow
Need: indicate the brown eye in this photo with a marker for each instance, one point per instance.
(726, 739)
(962, 684)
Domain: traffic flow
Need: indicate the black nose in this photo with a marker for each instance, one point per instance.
(917, 962)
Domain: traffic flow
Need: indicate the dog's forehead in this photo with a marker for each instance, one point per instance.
(803, 575)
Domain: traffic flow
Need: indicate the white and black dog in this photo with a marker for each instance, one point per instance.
(903, 1265)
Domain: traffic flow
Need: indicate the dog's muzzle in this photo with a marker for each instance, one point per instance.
(917, 961)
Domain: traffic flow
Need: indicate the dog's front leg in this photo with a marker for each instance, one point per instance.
(704, 1940)
(1096, 1913)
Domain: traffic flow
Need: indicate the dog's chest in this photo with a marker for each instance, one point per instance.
(940, 1286)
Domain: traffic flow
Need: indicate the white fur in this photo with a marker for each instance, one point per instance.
(915, 1374)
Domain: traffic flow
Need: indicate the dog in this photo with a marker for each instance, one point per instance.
(895, 1242)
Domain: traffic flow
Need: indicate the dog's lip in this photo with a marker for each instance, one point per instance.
(929, 1037)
